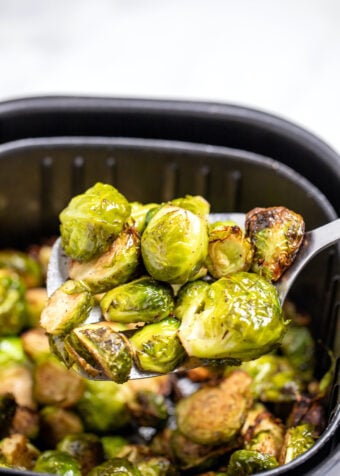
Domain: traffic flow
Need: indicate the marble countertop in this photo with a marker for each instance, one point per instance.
(280, 57)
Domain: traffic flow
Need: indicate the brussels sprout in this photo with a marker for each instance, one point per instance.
(116, 466)
(68, 307)
(86, 448)
(56, 385)
(236, 317)
(139, 214)
(273, 379)
(113, 445)
(191, 297)
(36, 300)
(149, 409)
(297, 441)
(194, 203)
(26, 422)
(57, 462)
(16, 378)
(141, 300)
(13, 312)
(92, 220)
(11, 351)
(299, 347)
(17, 451)
(157, 347)
(103, 407)
(56, 423)
(214, 415)
(276, 234)
(175, 245)
(24, 265)
(8, 408)
(229, 251)
(100, 351)
(247, 462)
(156, 466)
(57, 346)
(115, 266)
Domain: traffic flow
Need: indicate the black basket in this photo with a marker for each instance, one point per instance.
(39, 176)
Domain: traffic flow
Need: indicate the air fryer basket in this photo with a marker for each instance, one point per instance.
(39, 176)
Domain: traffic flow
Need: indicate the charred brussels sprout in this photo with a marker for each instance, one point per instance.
(24, 265)
(297, 441)
(117, 467)
(68, 307)
(18, 452)
(157, 347)
(13, 310)
(100, 351)
(237, 317)
(276, 234)
(57, 462)
(112, 268)
(92, 220)
(86, 448)
(175, 245)
(229, 250)
(247, 462)
(214, 415)
(142, 300)
(194, 203)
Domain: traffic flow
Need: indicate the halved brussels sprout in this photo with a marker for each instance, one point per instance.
(157, 346)
(247, 462)
(213, 415)
(24, 265)
(297, 441)
(13, 310)
(92, 220)
(100, 351)
(175, 245)
(68, 307)
(57, 462)
(229, 251)
(194, 203)
(115, 266)
(236, 317)
(141, 300)
(276, 234)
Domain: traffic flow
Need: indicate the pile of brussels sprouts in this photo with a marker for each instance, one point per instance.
(174, 290)
(214, 420)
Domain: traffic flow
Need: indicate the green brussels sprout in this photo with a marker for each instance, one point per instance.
(103, 407)
(213, 415)
(18, 452)
(194, 203)
(92, 220)
(100, 351)
(157, 347)
(229, 251)
(236, 317)
(141, 300)
(113, 445)
(11, 351)
(36, 300)
(191, 297)
(56, 423)
(24, 265)
(273, 379)
(116, 467)
(13, 311)
(115, 266)
(297, 441)
(86, 448)
(299, 347)
(276, 234)
(139, 214)
(68, 307)
(175, 245)
(247, 462)
(57, 462)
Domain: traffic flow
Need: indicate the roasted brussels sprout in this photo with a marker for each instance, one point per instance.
(115, 266)
(141, 300)
(11, 351)
(156, 466)
(214, 415)
(86, 448)
(17, 379)
(68, 307)
(57, 462)
(238, 317)
(297, 441)
(100, 351)
(247, 462)
(194, 203)
(24, 265)
(56, 423)
(92, 220)
(276, 234)
(229, 251)
(18, 452)
(175, 245)
(116, 466)
(149, 408)
(113, 445)
(157, 346)
(13, 311)
(35, 344)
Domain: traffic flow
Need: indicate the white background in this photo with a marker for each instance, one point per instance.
(281, 56)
